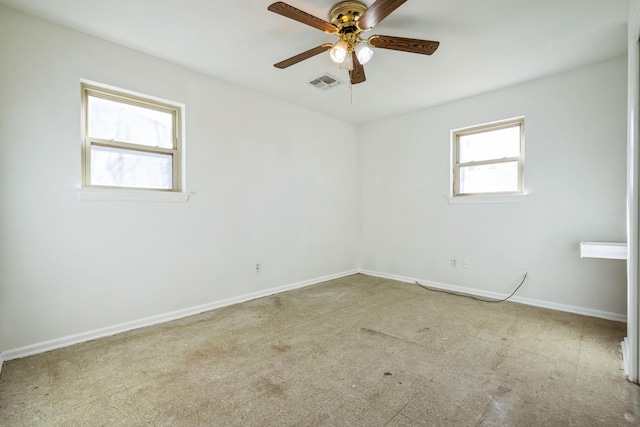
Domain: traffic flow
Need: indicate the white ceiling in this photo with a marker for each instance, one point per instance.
(485, 45)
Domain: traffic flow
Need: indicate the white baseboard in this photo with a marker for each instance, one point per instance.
(32, 349)
(166, 317)
(618, 317)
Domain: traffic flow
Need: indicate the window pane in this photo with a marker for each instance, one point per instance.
(124, 168)
(491, 145)
(494, 178)
(114, 120)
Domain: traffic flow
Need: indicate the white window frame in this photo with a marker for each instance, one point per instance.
(456, 165)
(130, 98)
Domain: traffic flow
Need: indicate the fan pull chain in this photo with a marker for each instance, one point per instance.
(350, 92)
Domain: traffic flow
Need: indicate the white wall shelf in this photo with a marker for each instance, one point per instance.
(606, 250)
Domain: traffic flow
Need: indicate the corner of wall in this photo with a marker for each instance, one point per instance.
(359, 200)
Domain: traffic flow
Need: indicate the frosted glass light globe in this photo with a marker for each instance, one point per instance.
(338, 52)
(364, 53)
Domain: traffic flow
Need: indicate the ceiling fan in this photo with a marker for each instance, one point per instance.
(348, 20)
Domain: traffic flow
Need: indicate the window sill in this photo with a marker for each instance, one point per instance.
(100, 195)
(464, 200)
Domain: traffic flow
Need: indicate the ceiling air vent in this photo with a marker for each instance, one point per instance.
(325, 82)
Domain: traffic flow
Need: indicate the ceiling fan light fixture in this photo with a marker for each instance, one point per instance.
(347, 20)
(363, 52)
(339, 52)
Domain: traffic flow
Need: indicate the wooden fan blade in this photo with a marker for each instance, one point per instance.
(357, 74)
(291, 12)
(302, 56)
(424, 47)
(377, 12)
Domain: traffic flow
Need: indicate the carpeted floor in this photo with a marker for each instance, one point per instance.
(357, 351)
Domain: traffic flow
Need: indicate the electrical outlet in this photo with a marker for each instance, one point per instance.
(258, 267)
(454, 263)
(466, 264)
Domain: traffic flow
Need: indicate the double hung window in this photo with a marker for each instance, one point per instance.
(130, 141)
(489, 159)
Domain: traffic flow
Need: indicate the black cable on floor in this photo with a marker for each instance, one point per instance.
(471, 296)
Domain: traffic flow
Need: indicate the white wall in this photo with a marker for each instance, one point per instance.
(270, 184)
(575, 174)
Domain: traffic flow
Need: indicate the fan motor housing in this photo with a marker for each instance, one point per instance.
(345, 15)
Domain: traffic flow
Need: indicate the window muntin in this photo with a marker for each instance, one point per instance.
(130, 141)
(488, 159)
